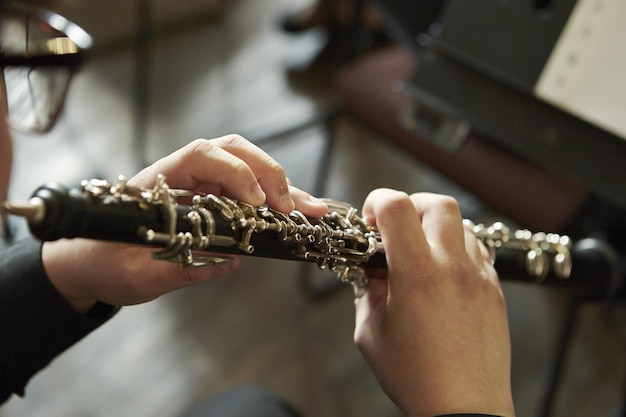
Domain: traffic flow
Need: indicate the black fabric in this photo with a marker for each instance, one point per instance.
(243, 402)
(36, 323)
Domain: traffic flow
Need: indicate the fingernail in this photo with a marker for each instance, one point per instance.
(257, 195)
(286, 201)
(316, 200)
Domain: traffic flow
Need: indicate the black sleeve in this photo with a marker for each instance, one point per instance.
(36, 323)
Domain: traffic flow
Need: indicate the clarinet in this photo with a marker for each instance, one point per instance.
(210, 228)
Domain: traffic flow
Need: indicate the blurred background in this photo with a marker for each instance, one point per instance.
(345, 106)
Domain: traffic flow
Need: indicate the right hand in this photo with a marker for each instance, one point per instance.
(436, 331)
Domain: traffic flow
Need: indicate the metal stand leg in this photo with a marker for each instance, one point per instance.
(347, 46)
(329, 285)
(142, 80)
(559, 361)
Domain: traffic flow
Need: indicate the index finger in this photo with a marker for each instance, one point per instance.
(399, 225)
(231, 165)
(269, 174)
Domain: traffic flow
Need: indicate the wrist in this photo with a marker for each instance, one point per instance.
(460, 405)
(468, 415)
(80, 305)
(62, 270)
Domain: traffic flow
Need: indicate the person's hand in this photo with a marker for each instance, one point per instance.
(435, 332)
(86, 271)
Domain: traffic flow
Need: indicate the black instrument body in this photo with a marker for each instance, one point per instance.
(58, 212)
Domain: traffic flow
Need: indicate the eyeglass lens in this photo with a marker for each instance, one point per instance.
(34, 95)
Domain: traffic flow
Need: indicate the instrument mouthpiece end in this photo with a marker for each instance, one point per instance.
(33, 210)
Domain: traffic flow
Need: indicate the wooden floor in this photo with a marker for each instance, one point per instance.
(225, 70)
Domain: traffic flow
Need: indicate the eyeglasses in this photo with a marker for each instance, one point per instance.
(39, 52)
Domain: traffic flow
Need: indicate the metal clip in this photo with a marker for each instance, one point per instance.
(354, 275)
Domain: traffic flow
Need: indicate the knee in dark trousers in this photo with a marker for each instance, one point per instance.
(243, 402)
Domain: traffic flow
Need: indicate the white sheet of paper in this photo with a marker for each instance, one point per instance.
(586, 72)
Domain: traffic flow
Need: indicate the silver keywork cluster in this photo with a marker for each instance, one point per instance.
(543, 251)
(340, 241)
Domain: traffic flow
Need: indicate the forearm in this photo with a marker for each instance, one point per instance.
(37, 323)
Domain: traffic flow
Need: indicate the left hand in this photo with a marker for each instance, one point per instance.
(86, 271)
